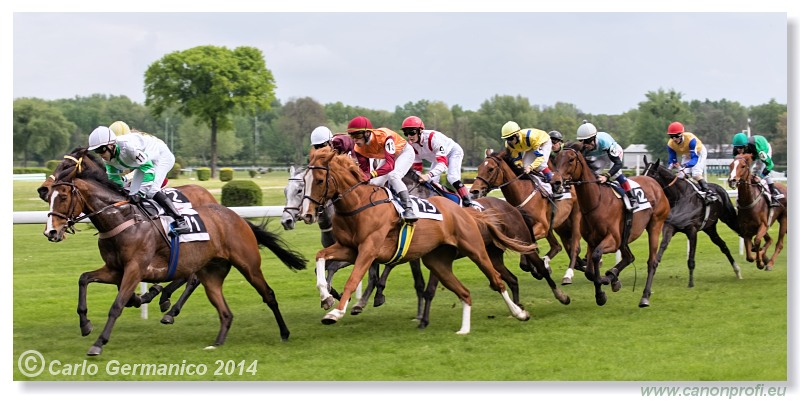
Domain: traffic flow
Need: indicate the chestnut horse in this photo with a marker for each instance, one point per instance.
(563, 215)
(367, 228)
(755, 214)
(80, 160)
(136, 249)
(690, 215)
(603, 220)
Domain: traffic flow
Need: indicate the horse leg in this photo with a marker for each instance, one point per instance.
(426, 299)
(612, 275)
(102, 275)
(441, 265)
(362, 261)
(331, 267)
(164, 302)
(373, 282)
(419, 288)
(593, 256)
(778, 245)
(380, 298)
(748, 249)
(130, 279)
(539, 265)
(212, 279)
(496, 257)
(723, 247)
(692, 236)
(555, 247)
(652, 261)
(191, 285)
(757, 248)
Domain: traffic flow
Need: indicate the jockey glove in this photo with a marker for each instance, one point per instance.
(548, 176)
(765, 172)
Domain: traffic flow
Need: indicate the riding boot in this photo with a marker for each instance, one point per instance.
(633, 199)
(466, 201)
(408, 214)
(775, 195)
(708, 196)
(180, 226)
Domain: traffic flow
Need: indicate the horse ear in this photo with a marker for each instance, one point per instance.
(291, 171)
(488, 152)
(658, 162)
(644, 158)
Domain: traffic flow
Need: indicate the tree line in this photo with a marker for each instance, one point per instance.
(224, 113)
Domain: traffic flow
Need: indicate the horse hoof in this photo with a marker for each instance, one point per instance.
(616, 286)
(524, 316)
(422, 325)
(94, 350)
(210, 348)
(378, 301)
(565, 301)
(601, 299)
(168, 319)
(566, 281)
(86, 328)
(644, 303)
(767, 268)
(164, 306)
(356, 310)
(327, 303)
(328, 320)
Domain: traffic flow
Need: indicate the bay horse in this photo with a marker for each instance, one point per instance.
(293, 193)
(690, 215)
(82, 161)
(562, 216)
(755, 214)
(367, 228)
(603, 220)
(136, 249)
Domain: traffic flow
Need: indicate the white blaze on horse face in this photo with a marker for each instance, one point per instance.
(734, 169)
(50, 226)
(308, 178)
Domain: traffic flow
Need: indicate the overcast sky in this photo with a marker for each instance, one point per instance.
(600, 62)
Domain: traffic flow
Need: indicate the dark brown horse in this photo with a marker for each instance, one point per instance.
(755, 214)
(562, 216)
(86, 163)
(603, 220)
(367, 228)
(690, 215)
(136, 249)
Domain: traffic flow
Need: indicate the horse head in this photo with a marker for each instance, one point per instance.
(78, 162)
(293, 192)
(739, 170)
(570, 166)
(329, 174)
(493, 173)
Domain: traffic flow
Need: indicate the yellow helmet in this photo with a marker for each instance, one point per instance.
(509, 129)
(120, 128)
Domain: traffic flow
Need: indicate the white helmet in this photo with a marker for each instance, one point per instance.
(586, 130)
(101, 136)
(321, 135)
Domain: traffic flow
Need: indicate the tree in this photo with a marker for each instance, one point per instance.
(764, 121)
(655, 114)
(41, 132)
(210, 83)
(194, 138)
(715, 124)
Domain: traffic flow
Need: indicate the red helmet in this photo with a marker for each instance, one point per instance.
(359, 124)
(675, 128)
(413, 122)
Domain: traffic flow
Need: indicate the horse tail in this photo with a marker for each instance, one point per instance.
(728, 213)
(292, 259)
(493, 224)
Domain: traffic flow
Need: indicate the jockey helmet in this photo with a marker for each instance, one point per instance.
(739, 140)
(586, 130)
(101, 136)
(556, 135)
(413, 122)
(120, 128)
(359, 124)
(509, 129)
(321, 135)
(675, 128)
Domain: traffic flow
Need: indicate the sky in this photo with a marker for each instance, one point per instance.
(603, 63)
(601, 56)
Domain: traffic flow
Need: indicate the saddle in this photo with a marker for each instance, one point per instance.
(154, 211)
(620, 194)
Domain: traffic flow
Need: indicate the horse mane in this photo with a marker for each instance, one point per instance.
(97, 175)
(574, 145)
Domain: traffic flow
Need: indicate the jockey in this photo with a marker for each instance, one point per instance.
(133, 151)
(597, 144)
(385, 144)
(528, 148)
(693, 156)
(558, 140)
(340, 142)
(761, 150)
(443, 153)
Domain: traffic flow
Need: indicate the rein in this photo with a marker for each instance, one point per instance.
(340, 196)
(73, 218)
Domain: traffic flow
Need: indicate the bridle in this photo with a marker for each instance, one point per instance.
(288, 209)
(337, 197)
(570, 182)
(74, 215)
(493, 179)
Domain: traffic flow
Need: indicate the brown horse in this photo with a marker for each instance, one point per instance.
(135, 249)
(367, 228)
(563, 215)
(603, 220)
(755, 214)
(81, 161)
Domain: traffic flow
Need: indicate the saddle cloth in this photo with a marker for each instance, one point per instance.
(184, 206)
(423, 209)
(644, 204)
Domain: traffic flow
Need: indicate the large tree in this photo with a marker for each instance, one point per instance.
(41, 132)
(655, 114)
(210, 83)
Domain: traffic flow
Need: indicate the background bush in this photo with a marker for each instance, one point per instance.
(203, 174)
(175, 172)
(241, 193)
(226, 174)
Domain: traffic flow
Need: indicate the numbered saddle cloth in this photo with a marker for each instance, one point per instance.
(422, 207)
(636, 190)
(184, 206)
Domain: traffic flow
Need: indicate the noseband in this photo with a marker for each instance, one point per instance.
(488, 183)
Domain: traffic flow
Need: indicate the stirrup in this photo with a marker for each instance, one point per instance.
(408, 216)
(180, 227)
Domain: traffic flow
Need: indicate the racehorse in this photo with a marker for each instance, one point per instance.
(291, 211)
(755, 215)
(81, 161)
(603, 224)
(690, 215)
(367, 228)
(136, 249)
(563, 215)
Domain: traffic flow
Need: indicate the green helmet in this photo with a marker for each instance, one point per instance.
(739, 140)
